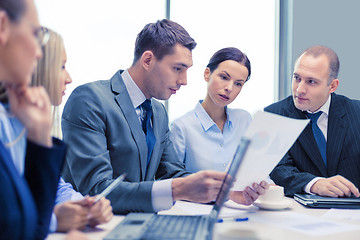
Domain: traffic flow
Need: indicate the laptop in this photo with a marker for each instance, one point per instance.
(316, 201)
(180, 227)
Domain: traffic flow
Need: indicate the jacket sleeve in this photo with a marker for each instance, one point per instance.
(286, 174)
(42, 172)
(92, 160)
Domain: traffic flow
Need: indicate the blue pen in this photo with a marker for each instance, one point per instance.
(233, 219)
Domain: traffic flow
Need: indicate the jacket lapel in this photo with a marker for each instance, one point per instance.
(25, 199)
(307, 141)
(336, 133)
(123, 100)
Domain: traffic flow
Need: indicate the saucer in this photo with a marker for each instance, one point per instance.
(285, 203)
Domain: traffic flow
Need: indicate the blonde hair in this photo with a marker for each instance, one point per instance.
(47, 74)
(48, 69)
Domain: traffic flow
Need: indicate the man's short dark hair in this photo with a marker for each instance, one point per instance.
(160, 38)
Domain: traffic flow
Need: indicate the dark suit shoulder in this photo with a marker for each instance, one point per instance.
(346, 102)
(280, 107)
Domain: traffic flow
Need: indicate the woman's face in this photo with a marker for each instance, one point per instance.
(22, 48)
(225, 82)
(65, 78)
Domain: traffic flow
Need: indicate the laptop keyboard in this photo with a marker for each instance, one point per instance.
(172, 227)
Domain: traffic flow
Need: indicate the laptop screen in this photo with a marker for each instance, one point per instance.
(230, 177)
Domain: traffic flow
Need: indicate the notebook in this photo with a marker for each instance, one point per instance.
(159, 227)
(316, 201)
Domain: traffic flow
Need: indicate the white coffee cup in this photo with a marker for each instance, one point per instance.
(273, 194)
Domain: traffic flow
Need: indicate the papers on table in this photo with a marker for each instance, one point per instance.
(191, 208)
(343, 214)
(306, 224)
(271, 137)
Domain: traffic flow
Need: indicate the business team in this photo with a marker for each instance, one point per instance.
(116, 126)
(102, 124)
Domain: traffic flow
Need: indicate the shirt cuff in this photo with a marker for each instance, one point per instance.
(53, 223)
(161, 195)
(310, 184)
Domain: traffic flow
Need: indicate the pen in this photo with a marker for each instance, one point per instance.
(233, 219)
(110, 187)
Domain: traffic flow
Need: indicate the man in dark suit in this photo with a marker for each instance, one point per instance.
(325, 159)
(102, 125)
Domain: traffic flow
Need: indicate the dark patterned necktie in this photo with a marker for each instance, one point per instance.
(319, 136)
(147, 128)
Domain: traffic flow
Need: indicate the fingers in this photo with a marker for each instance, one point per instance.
(70, 216)
(350, 187)
(31, 95)
(253, 194)
(35, 96)
(264, 185)
(336, 186)
(101, 212)
(213, 174)
(261, 188)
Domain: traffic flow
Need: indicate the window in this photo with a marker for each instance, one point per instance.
(99, 38)
(247, 25)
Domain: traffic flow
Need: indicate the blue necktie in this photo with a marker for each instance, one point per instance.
(147, 128)
(319, 136)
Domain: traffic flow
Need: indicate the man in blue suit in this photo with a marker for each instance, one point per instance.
(325, 159)
(102, 125)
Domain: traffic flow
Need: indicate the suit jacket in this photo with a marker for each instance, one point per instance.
(105, 139)
(26, 204)
(303, 162)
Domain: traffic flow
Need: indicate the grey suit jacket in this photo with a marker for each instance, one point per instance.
(303, 162)
(105, 139)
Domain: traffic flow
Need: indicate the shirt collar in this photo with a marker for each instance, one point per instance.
(228, 117)
(136, 95)
(204, 118)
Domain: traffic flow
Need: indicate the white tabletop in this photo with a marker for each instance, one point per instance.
(259, 225)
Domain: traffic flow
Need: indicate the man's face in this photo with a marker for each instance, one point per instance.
(166, 76)
(310, 87)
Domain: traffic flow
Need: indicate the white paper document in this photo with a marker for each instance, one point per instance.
(310, 225)
(191, 208)
(343, 214)
(271, 137)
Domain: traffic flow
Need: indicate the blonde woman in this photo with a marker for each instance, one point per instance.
(72, 210)
(51, 74)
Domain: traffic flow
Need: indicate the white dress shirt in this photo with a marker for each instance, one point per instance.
(199, 142)
(322, 122)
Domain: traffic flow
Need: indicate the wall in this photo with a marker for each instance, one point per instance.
(333, 23)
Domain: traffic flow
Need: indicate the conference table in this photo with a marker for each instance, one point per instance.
(294, 222)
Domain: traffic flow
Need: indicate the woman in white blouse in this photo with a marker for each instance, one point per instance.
(207, 137)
